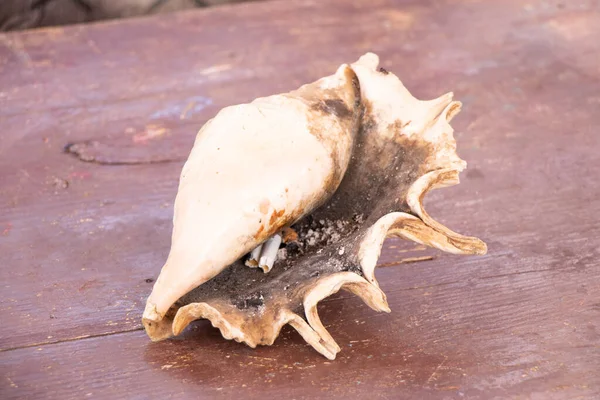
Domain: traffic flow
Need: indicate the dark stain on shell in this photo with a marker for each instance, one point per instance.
(252, 300)
(335, 107)
(381, 170)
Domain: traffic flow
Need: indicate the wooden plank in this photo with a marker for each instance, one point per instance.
(80, 239)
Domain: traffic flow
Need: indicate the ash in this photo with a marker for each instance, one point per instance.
(315, 234)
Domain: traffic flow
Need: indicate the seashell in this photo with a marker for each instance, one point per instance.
(400, 148)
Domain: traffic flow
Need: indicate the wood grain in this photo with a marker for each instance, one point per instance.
(82, 232)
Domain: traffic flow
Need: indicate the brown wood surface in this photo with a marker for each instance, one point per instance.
(83, 229)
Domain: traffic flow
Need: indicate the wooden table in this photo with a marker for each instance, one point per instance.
(83, 232)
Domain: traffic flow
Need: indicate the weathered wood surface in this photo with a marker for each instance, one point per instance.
(79, 239)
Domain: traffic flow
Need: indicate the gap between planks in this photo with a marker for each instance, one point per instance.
(73, 339)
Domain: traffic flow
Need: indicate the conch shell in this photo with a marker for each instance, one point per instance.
(341, 163)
